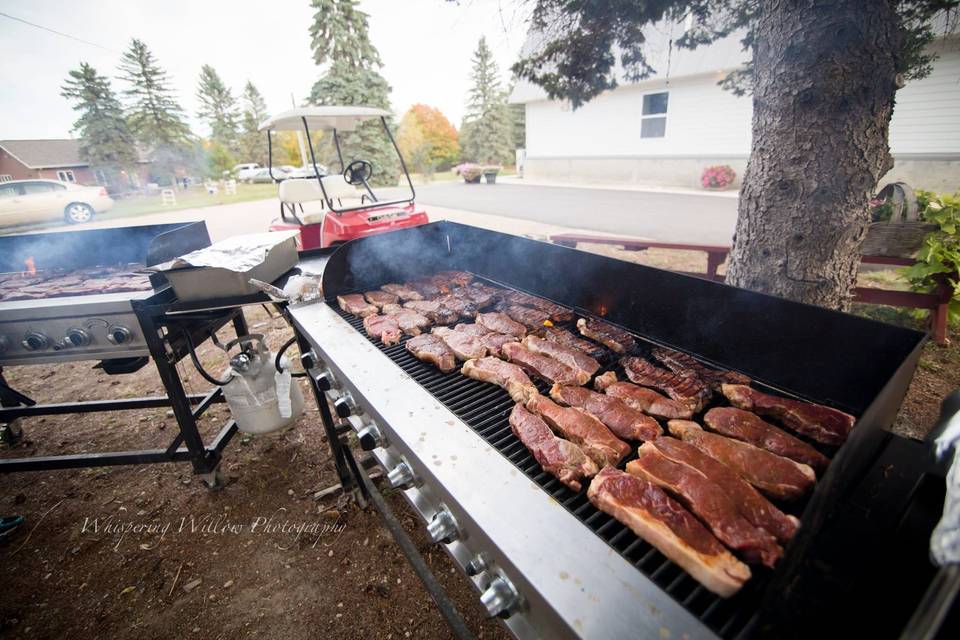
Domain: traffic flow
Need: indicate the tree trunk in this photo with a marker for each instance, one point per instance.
(824, 83)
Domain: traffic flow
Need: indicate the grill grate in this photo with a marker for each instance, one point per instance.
(485, 408)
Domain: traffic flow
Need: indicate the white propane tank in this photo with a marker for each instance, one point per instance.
(261, 399)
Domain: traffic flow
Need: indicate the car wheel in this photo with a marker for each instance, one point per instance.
(77, 212)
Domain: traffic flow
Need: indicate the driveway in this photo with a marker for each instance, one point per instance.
(652, 215)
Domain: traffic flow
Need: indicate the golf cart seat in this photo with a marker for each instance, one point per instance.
(297, 191)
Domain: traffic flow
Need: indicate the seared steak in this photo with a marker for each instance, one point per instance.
(708, 502)
(748, 427)
(411, 322)
(606, 334)
(472, 329)
(641, 398)
(432, 349)
(688, 390)
(532, 318)
(504, 374)
(660, 520)
(567, 339)
(554, 311)
(434, 310)
(464, 346)
(380, 298)
(567, 355)
(582, 429)
(816, 421)
(356, 304)
(558, 457)
(402, 291)
(501, 323)
(684, 365)
(464, 308)
(494, 342)
(542, 366)
(384, 327)
(622, 420)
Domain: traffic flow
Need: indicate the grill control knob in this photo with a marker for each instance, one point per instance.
(35, 341)
(478, 564)
(4, 343)
(309, 359)
(77, 337)
(119, 334)
(344, 405)
(500, 597)
(325, 380)
(371, 437)
(443, 526)
(400, 476)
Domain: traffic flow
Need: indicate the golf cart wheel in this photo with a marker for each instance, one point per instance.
(77, 212)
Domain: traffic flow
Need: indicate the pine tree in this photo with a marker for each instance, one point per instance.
(218, 107)
(253, 143)
(105, 139)
(487, 127)
(340, 36)
(154, 115)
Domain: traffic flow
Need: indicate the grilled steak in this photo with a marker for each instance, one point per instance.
(751, 505)
(464, 346)
(432, 349)
(425, 287)
(567, 355)
(411, 322)
(504, 374)
(501, 323)
(403, 292)
(494, 342)
(554, 311)
(456, 278)
(477, 295)
(657, 518)
(685, 365)
(748, 427)
(434, 310)
(384, 327)
(558, 457)
(472, 329)
(708, 502)
(532, 318)
(606, 334)
(381, 298)
(690, 391)
(464, 308)
(582, 429)
(356, 304)
(567, 339)
(641, 398)
(623, 421)
(777, 477)
(542, 366)
(816, 421)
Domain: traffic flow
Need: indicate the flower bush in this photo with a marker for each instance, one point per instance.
(718, 176)
(469, 171)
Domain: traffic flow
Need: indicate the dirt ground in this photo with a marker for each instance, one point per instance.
(148, 552)
(199, 563)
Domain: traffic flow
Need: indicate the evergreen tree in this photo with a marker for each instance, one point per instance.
(218, 107)
(253, 143)
(486, 134)
(154, 115)
(105, 139)
(340, 36)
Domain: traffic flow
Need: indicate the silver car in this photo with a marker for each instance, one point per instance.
(29, 201)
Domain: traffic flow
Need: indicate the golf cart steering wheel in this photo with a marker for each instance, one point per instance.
(358, 172)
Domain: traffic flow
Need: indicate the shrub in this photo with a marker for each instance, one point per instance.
(718, 177)
(939, 257)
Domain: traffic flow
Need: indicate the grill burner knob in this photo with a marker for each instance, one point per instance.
(500, 597)
(478, 564)
(35, 341)
(309, 360)
(344, 405)
(325, 380)
(400, 476)
(77, 338)
(443, 526)
(118, 334)
(370, 437)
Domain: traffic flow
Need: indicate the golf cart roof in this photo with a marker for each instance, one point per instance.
(342, 118)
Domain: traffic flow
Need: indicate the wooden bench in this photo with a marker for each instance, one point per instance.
(937, 302)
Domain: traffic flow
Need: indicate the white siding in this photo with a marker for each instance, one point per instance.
(702, 119)
(926, 118)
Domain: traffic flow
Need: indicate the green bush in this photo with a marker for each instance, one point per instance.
(939, 257)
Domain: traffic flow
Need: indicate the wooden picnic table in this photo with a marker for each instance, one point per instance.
(937, 302)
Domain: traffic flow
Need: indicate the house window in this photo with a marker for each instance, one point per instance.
(66, 176)
(101, 176)
(653, 118)
(6, 177)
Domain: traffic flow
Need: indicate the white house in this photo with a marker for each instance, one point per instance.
(667, 129)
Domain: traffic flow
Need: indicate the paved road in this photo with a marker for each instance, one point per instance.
(657, 216)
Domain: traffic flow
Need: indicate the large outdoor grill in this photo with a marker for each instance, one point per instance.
(542, 556)
(90, 299)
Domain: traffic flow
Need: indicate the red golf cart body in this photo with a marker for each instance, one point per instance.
(342, 206)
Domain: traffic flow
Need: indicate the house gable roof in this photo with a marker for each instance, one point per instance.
(45, 154)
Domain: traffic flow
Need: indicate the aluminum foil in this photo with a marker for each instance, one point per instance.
(239, 253)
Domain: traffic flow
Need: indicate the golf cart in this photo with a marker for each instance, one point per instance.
(348, 206)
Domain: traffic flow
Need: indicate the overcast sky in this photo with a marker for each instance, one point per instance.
(425, 46)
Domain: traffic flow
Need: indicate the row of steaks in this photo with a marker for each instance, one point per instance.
(57, 284)
(703, 492)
